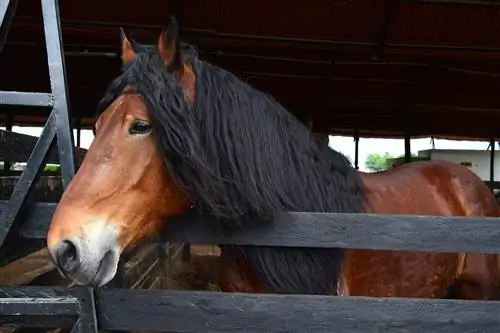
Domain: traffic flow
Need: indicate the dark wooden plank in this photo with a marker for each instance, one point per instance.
(368, 231)
(38, 307)
(206, 312)
(48, 188)
(35, 219)
(38, 292)
(17, 147)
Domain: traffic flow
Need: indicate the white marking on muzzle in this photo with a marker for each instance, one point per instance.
(96, 241)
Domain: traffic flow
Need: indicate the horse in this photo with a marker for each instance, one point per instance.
(175, 133)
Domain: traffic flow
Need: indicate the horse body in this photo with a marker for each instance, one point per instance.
(174, 132)
(452, 190)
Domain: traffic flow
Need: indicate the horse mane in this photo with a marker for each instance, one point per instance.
(240, 156)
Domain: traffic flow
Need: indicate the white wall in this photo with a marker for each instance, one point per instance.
(479, 159)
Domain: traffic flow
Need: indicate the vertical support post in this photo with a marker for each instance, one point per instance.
(407, 111)
(492, 163)
(7, 163)
(78, 132)
(57, 73)
(356, 151)
(407, 132)
(407, 149)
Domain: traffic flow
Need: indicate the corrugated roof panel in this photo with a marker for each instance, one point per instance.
(322, 19)
(446, 24)
(259, 41)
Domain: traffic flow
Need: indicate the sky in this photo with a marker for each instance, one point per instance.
(345, 145)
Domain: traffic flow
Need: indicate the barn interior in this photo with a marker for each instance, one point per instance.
(349, 67)
(361, 68)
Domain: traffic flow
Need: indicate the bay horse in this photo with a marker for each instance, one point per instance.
(175, 133)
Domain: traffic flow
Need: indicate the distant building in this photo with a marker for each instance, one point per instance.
(476, 160)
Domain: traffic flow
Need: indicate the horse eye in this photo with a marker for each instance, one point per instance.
(139, 127)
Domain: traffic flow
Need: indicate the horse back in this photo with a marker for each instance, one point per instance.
(447, 189)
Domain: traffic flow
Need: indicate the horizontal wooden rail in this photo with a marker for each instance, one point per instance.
(207, 312)
(39, 306)
(359, 231)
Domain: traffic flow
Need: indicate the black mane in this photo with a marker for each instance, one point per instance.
(239, 155)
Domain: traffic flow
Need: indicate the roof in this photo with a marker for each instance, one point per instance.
(345, 66)
(458, 151)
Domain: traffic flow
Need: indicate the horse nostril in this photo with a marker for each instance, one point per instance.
(67, 256)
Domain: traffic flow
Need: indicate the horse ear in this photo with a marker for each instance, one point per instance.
(169, 45)
(128, 52)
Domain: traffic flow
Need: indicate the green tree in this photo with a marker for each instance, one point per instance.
(52, 167)
(378, 162)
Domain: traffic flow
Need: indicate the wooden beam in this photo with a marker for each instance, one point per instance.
(390, 14)
(214, 312)
(211, 312)
(25, 270)
(363, 231)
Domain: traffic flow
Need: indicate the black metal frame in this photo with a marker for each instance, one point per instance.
(42, 307)
(57, 125)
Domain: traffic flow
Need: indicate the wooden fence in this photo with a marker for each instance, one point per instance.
(48, 188)
(204, 312)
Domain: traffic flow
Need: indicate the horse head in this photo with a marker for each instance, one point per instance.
(122, 192)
